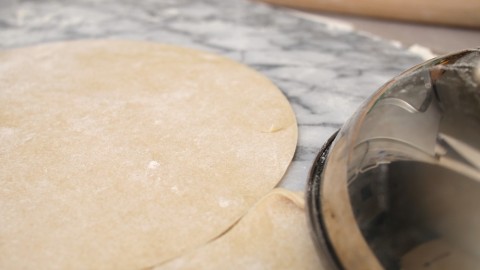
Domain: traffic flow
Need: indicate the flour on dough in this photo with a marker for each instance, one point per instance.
(125, 154)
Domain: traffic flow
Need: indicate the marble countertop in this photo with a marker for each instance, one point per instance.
(325, 70)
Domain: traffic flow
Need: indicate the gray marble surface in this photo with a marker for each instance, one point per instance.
(325, 71)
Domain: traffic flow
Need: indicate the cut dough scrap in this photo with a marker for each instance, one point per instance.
(125, 154)
(272, 235)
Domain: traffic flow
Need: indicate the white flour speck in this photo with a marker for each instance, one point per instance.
(174, 189)
(223, 202)
(153, 165)
(6, 132)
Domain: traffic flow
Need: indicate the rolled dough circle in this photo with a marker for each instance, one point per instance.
(125, 154)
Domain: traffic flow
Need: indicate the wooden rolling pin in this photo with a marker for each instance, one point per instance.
(448, 12)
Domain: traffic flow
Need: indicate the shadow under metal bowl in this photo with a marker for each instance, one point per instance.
(398, 187)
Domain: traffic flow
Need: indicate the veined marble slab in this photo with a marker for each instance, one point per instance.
(326, 72)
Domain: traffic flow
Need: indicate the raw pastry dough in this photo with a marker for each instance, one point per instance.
(273, 235)
(123, 154)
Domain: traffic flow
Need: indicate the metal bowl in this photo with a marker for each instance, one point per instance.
(398, 187)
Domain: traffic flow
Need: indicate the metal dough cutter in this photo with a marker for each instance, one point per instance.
(398, 186)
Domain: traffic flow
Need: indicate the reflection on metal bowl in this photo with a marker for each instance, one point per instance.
(399, 186)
